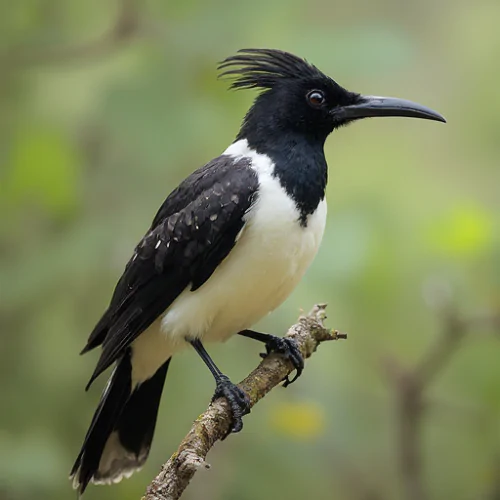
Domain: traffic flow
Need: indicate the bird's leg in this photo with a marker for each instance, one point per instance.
(237, 399)
(284, 346)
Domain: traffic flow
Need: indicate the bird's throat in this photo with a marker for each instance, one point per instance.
(300, 166)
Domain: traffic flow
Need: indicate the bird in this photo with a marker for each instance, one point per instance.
(226, 247)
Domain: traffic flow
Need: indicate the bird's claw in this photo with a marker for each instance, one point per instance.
(238, 401)
(289, 349)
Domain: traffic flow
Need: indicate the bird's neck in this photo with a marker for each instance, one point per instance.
(299, 164)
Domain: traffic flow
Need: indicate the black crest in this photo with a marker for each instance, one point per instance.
(264, 68)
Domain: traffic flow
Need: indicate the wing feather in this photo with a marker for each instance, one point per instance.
(190, 236)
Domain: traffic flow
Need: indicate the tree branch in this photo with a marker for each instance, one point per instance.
(123, 28)
(411, 385)
(213, 425)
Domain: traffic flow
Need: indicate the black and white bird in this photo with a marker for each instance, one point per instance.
(227, 247)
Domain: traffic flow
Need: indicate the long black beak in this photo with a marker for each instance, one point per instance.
(370, 106)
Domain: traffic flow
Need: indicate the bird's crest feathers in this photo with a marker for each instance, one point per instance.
(264, 68)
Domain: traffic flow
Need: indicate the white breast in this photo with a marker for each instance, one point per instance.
(269, 259)
(267, 262)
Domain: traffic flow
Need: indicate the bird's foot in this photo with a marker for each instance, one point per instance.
(239, 402)
(289, 349)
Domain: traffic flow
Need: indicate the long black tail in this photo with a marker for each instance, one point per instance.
(120, 434)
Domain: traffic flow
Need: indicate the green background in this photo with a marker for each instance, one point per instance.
(98, 125)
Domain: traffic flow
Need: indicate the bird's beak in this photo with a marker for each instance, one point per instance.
(370, 106)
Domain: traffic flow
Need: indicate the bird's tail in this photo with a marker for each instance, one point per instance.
(120, 434)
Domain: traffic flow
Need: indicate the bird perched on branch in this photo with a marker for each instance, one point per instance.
(227, 246)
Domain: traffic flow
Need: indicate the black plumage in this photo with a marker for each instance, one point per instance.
(265, 68)
(129, 412)
(193, 231)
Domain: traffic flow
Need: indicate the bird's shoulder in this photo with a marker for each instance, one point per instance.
(200, 213)
(224, 174)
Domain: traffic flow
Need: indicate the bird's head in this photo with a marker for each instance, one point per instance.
(297, 98)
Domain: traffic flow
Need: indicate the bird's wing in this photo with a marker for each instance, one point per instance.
(194, 230)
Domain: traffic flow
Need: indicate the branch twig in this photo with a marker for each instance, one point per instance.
(213, 425)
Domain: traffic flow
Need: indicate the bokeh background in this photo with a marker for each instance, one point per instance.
(105, 105)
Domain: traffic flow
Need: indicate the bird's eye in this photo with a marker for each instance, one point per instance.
(315, 98)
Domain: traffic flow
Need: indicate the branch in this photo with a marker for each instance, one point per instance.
(213, 425)
(411, 390)
(124, 27)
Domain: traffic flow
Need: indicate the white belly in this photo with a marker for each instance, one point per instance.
(264, 267)
(267, 262)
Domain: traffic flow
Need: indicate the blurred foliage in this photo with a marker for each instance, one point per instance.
(97, 124)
